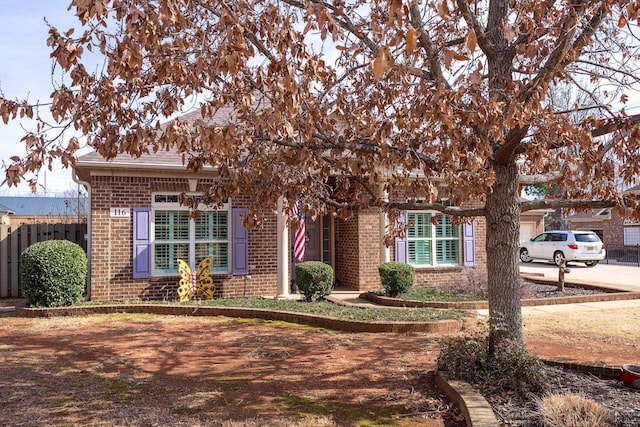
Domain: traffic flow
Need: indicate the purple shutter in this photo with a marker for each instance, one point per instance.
(240, 243)
(141, 243)
(401, 242)
(469, 245)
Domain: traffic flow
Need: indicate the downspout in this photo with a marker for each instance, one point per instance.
(87, 186)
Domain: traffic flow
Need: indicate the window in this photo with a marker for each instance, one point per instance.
(177, 236)
(432, 244)
(632, 236)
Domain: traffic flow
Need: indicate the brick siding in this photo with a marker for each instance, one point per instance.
(356, 247)
(111, 246)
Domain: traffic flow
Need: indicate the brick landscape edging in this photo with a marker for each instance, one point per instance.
(475, 408)
(609, 295)
(347, 325)
(603, 372)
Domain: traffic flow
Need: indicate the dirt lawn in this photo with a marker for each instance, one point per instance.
(153, 370)
(600, 337)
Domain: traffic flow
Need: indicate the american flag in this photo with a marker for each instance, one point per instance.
(299, 242)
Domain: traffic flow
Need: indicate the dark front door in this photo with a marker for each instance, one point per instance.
(313, 244)
(313, 247)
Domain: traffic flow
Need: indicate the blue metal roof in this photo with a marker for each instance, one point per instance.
(44, 206)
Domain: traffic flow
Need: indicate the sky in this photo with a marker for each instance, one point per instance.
(25, 70)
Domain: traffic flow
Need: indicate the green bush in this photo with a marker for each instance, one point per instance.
(511, 369)
(396, 277)
(314, 279)
(53, 273)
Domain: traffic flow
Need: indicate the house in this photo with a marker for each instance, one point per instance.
(5, 214)
(138, 230)
(15, 211)
(613, 227)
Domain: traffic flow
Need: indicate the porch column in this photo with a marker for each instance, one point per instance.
(385, 251)
(283, 251)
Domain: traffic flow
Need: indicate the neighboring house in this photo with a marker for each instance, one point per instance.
(615, 230)
(5, 214)
(138, 231)
(42, 210)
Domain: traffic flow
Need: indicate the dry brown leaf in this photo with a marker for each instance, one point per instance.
(622, 21)
(471, 41)
(380, 63)
(443, 9)
(411, 39)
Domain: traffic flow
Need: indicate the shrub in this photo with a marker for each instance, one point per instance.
(510, 369)
(314, 279)
(53, 273)
(396, 277)
(570, 410)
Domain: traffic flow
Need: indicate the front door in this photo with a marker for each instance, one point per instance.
(313, 243)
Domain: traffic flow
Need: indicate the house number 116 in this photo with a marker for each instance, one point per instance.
(120, 212)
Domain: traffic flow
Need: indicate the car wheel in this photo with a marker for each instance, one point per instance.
(590, 263)
(524, 255)
(558, 257)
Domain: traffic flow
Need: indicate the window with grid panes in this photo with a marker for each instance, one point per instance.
(177, 236)
(429, 244)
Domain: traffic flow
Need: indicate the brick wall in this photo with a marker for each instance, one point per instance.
(111, 250)
(449, 275)
(357, 249)
(347, 262)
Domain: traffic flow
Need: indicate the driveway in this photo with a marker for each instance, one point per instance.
(619, 276)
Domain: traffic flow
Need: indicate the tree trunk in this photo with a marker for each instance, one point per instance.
(503, 229)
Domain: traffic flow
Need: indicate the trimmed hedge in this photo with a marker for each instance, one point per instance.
(53, 273)
(314, 279)
(396, 277)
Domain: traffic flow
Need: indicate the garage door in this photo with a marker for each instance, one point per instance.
(527, 231)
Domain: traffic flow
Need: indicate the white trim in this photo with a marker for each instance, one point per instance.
(282, 251)
(433, 239)
(176, 206)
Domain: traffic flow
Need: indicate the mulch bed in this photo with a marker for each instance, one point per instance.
(622, 400)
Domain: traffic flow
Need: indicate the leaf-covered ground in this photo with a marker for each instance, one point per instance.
(153, 370)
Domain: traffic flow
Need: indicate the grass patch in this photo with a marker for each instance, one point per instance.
(435, 294)
(320, 308)
(324, 308)
(344, 414)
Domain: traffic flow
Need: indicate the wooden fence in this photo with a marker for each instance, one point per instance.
(15, 240)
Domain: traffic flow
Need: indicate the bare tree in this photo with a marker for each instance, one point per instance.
(372, 93)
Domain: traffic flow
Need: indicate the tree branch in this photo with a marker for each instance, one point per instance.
(427, 45)
(541, 178)
(448, 210)
(487, 47)
(565, 203)
(616, 124)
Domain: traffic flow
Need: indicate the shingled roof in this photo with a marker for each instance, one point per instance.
(160, 160)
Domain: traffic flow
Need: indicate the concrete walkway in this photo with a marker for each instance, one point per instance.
(618, 276)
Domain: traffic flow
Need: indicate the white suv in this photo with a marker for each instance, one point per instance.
(583, 246)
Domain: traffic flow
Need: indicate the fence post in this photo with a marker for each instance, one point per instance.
(15, 254)
(4, 261)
